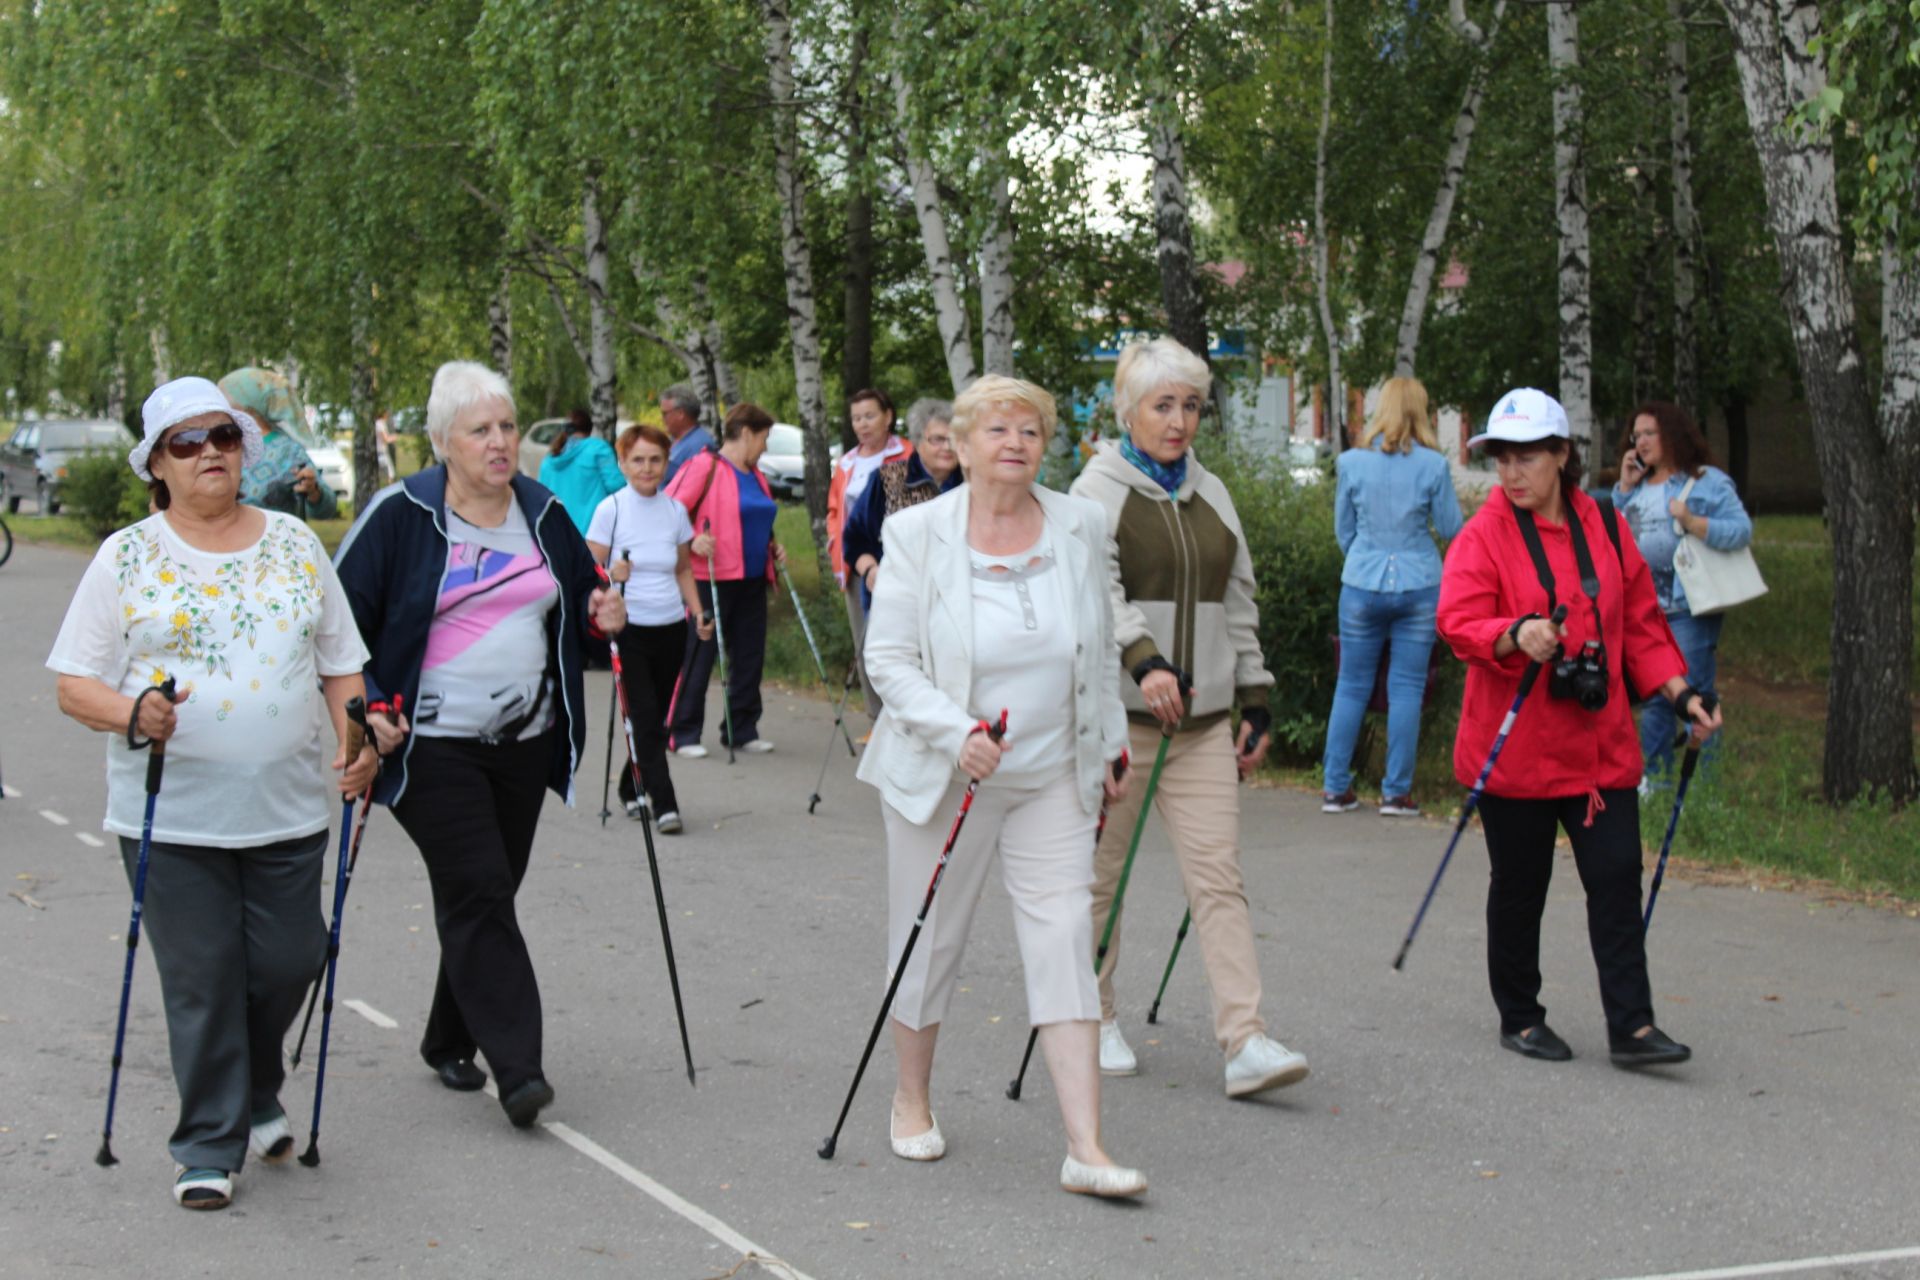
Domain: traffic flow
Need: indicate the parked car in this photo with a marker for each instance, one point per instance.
(536, 443)
(784, 464)
(329, 459)
(33, 462)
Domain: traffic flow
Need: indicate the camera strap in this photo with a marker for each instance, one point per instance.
(1582, 557)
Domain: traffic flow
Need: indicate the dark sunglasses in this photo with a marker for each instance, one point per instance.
(187, 445)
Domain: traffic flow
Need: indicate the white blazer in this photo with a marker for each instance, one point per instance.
(919, 651)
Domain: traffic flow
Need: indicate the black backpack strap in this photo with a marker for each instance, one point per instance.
(1530, 534)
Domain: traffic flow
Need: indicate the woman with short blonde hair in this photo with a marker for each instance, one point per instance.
(1395, 495)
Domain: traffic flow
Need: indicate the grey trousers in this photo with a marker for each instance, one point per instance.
(857, 622)
(236, 935)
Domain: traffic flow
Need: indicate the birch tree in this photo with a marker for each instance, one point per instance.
(1426, 266)
(603, 400)
(996, 266)
(1866, 453)
(1686, 235)
(949, 309)
(1329, 330)
(1570, 211)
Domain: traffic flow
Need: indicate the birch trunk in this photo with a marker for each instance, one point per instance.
(1180, 294)
(996, 274)
(500, 326)
(162, 353)
(949, 311)
(1570, 207)
(602, 399)
(803, 328)
(1413, 312)
(360, 393)
(1866, 465)
(1336, 392)
(1686, 272)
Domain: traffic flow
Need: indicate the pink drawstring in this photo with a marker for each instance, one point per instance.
(1594, 805)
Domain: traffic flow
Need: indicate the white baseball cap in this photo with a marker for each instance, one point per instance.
(1523, 416)
(173, 403)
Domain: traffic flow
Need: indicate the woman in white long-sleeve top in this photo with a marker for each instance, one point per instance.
(994, 597)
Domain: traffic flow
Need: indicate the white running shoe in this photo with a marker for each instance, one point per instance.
(271, 1140)
(1116, 1058)
(759, 746)
(693, 752)
(1264, 1064)
(670, 824)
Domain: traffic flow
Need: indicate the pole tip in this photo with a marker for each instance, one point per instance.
(812, 801)
(827, 1148)
(1153, 1016)
(691, 1080)
(311, 1156)
(1399, 962)
(1013, 1091)
(104, 1157)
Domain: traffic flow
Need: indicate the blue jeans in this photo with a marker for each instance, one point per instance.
(1368, 621)
(1699, 640)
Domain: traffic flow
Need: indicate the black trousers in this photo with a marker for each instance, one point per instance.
(743, 617)
(650, 659)
(471, 808)
(1520, 836)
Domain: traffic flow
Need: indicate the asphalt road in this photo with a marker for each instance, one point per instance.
(1417, 1147)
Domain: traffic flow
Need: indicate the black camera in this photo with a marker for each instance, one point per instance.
(1582, 677)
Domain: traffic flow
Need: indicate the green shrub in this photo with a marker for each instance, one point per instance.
(102, 492)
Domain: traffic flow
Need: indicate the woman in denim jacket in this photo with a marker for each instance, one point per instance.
(1395, 494)
(1666, 455)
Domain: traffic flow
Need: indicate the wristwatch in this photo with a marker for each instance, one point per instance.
(1513, 632)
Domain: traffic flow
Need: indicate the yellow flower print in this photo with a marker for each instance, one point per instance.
(180, 623)
(212, 589)
(159, 677)
(254, 685)
(311, 572)
(166, 576)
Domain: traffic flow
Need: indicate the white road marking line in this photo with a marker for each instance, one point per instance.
(56, 819)
(691, 1212)
(371, 1014)
(89, 839)
(1785, 1268)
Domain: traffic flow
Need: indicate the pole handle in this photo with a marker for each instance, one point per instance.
(356, 739)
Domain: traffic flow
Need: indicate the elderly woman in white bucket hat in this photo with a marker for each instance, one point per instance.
(241, 608)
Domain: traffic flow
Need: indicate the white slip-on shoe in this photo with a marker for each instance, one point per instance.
(1109, 1182)
(1262, 1064)
(271, 1141)
(759, 746)
(693, 752)
(203, 1188)
(921, 1146)
(670, 823)
(1116, 1058)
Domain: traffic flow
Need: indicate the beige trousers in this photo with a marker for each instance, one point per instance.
(857, 623)
(1199, 802)
(1043, 841)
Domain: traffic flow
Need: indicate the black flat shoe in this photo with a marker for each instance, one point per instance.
(461, 1074)
(1537, 1042)
(523, 1104)
(1654, 1049)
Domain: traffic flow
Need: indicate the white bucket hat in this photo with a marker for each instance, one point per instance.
(179, 400)
(1524, 416)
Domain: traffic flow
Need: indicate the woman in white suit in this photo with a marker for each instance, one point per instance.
(994, 597)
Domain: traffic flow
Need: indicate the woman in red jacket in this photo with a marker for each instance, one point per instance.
(1573, 760)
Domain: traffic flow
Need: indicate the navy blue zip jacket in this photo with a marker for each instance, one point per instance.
(391, 564)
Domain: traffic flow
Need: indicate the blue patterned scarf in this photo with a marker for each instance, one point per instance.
(1167, 477)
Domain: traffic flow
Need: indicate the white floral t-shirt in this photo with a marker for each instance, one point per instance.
(246, 634)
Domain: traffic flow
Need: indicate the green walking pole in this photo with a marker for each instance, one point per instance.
(1119, 892)
(1153, 1014)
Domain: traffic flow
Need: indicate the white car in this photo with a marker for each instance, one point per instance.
(784, 464)
(329, 459)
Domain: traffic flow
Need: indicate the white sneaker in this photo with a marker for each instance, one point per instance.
(1264, 1064)
(636, 809)
(669, 823)
(271, 1140)
(693, 752)
(759, 746)
(1116, 1059)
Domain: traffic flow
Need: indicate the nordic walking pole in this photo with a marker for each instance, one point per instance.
(995, 732)
(1180, 934)
(1527, 680)
(720, 643)
(356, 741)
(156, 763)
(1119, 889)
(807, 631)
(1153, 1013)
(653, 860)
(353, 860)
(839, 721)
(613, 711)
(1707, 703)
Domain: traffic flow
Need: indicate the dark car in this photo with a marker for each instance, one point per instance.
(33, 462)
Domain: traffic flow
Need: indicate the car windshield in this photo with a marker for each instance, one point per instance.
(81, 435)
(785, 441)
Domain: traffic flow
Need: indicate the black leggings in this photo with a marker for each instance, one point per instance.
(471, 808)
(743, 618)
(1520, 836)
(650, 661)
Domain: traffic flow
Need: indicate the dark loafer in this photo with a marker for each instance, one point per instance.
(1537, 1042)
(1654, 1049)
(461, 1074)
(523, 1104)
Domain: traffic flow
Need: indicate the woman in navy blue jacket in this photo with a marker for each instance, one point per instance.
(474, 591)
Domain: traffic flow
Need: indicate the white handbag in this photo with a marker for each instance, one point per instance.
(1713, 580)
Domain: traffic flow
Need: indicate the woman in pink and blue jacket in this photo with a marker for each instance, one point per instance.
(734, 555)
